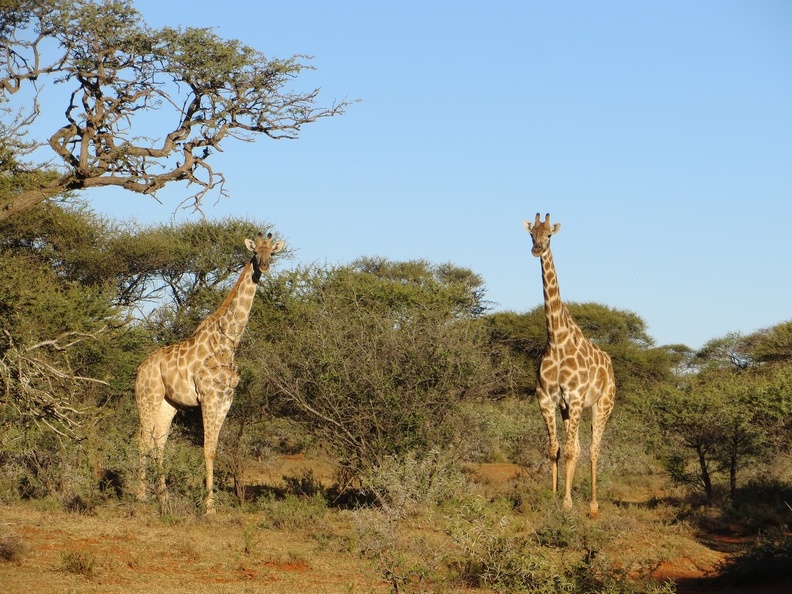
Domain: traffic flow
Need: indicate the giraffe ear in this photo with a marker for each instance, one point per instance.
(528, 225)
(556, 228)
(278, 246)
(250, 244)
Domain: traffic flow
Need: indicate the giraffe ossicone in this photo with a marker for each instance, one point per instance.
(198, 371)
(575, 374)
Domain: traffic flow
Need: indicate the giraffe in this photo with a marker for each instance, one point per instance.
(574, 374)
(198, 371)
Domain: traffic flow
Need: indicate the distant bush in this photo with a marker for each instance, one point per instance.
(761, 504)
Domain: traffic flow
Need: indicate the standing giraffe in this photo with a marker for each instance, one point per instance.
(574, 374)
(198, 371)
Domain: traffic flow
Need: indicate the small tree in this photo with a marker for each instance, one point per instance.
(726, 418)
(119, 78)
(65, 354)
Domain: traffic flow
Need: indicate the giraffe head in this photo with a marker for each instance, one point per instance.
(540, 233)
(263, 249)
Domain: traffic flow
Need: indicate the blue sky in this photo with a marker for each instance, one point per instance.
(659, 134)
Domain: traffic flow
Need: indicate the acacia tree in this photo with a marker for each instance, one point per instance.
(122, 81)
(372, 357)
(770, 347)
(727, 418)
(174, 276)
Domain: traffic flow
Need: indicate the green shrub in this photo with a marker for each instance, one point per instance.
(294, 512)
(401, 484)
(407, 562)
(759, 505)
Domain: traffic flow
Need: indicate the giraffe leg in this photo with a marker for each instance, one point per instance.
(159, 436)
(600, 411)
(571, 452)
(145, 445)
(213, 417)
(547, 407)
(149, 396)
(145, 440)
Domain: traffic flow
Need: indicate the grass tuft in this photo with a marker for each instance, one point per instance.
(11, 548)
(78, 563)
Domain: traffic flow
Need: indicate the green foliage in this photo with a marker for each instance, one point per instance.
(759, 505)
(517, 342)
(609, 326)
(499, 431)
(725, 418)
(373, 357)
(728, 351)
(766, 348)
(295, 512)
(405, 483)
(771, 345)
(563, 554)
(58, 349)
(498, 556)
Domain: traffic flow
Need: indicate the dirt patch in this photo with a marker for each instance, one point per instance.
(272, 472)
(495, 473)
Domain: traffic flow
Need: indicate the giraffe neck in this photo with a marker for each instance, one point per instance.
(230, 319)
(556, 314)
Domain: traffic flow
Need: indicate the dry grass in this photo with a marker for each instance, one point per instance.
(298, 546)
(131, 549)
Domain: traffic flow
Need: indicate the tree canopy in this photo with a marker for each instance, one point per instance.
(372, 356)
(373, 360)
(141, 107)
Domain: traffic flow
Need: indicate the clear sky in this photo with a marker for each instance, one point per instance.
(658, 133)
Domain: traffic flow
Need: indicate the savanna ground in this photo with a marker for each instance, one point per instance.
(296, 543)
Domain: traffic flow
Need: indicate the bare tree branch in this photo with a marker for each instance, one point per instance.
(121, 74)
(39, 389)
